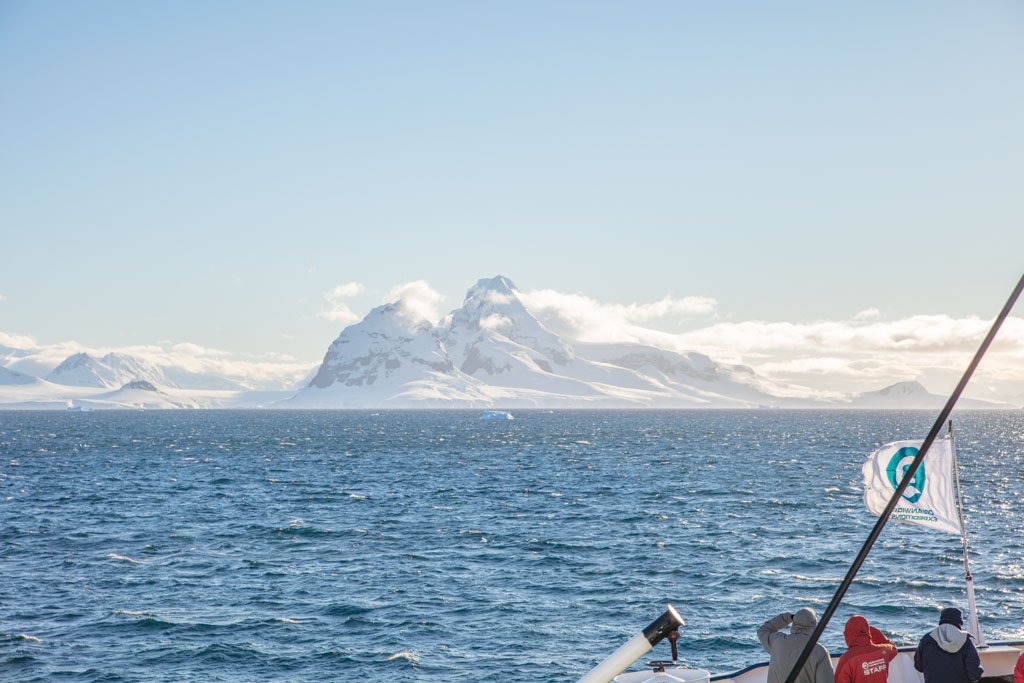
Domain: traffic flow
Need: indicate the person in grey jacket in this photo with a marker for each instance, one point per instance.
(785, 648)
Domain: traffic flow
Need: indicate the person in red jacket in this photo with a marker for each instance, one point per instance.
(1018, 671)
(867, 660)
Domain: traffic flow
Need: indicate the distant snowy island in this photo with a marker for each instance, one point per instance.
(491, 353)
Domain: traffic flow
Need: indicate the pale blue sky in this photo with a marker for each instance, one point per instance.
(203, 171)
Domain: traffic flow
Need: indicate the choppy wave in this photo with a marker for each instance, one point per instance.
(426, 546)
(405, 655)
(125, 558)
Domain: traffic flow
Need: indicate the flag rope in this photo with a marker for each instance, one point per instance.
(972, 607)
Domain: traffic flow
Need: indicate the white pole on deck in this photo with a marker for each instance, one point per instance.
(973, 626)
(618, 661)
(635, 648)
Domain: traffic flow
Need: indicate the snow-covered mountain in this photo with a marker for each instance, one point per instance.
(13, 377)
(913, 395)
(493, 334)
(120, 381)
(493, 352)
(117, 369)
(111, 371)
(392, 358)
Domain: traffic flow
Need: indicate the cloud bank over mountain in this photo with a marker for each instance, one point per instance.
(849, 355)
(506, 348)
(553, 330)
(268, 371)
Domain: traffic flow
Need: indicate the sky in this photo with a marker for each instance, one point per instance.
(800, 186)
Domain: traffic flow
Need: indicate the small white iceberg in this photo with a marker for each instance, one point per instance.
(496, 415)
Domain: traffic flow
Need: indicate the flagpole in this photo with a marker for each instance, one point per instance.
(907, 477)
(974, 627)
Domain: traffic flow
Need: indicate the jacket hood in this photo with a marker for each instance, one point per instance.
(857, 631)
(949, 637)
(804, 621)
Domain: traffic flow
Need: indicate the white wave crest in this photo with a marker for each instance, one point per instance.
(407, 655)
(125, 558)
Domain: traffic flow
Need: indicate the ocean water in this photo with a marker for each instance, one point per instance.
(435, 546)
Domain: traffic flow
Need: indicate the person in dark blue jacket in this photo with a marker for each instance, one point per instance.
(946, 654)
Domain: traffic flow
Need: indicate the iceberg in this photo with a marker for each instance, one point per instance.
(496, 415)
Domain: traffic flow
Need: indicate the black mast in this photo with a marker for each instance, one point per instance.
(907, 478)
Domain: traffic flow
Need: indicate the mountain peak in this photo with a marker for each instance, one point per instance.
(499, 284)
(396, 319)
(112, 370)
(910, 388)
(76, 360)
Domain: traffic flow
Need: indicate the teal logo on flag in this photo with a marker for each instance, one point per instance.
(915, 489)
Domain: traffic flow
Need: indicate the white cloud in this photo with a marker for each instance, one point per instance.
(2, 297)
(337, 310)
(189, 349)
(418, 298)
(915, 333)
(265, 371)
(498, 298)
(853, 355)
(25, 354)
(18, 341)
(345, 291)
(580, 317)
(857, 354)
(495, 321)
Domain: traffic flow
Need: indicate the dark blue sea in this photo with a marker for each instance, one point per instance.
(435, 546)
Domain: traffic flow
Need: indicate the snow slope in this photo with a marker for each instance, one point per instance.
(138, 394)
(697, 379)
(12, 378)
(40, 394)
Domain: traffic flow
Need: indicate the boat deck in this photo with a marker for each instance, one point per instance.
(997, 660)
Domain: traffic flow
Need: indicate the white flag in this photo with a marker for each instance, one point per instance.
(929, 499)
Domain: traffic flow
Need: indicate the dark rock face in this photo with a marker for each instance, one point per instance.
(476, 361)
(140, 384)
